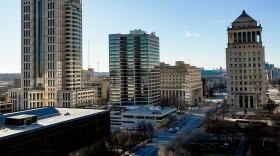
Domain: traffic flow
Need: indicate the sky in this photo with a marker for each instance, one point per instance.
(194, 31)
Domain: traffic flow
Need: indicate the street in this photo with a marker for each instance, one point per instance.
(187, 126)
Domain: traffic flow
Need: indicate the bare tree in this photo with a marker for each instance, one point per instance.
(145, 129)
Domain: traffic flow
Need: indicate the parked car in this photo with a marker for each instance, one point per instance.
(170, 129)
(174, 131)
(177, 128)
(142, 145)
(154, 139)
(134, 149)
(127, 153)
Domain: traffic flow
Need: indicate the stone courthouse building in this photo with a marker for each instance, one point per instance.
(181, 81)
(245, 63)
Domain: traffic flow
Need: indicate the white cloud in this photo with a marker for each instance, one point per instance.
(191, 34)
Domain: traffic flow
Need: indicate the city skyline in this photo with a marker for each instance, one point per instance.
(189, 31)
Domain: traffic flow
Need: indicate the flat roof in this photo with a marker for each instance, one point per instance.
(22, 116)
(56, 116)
(149, 111)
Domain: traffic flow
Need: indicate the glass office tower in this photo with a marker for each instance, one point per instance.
(134, 68)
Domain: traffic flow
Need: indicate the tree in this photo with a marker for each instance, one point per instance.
(270, 106)
(224, 109)
(211, 92)
(145, 129)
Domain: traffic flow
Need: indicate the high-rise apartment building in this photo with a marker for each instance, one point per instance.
(134, 68)
(51, 50)
(180, 83)
(245, 59)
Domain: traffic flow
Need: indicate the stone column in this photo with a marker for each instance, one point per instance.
(260, 36)
(251, 34)
(255, 38)
(244, 105)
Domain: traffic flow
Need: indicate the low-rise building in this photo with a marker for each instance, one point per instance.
(181, 81)
(16, 98)
(52, 131)
(6, 107)
(129, 116)
(76, 98)
(37, 97)
(101, 87)
(88, 74)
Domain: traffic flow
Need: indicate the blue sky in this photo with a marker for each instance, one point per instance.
(193, 31)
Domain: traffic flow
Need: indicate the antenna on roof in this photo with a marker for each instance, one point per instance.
(88, 55)
(98, 66)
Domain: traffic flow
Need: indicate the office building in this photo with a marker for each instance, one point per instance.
(268, 70)
(17, 83)
(101, 89)
(76, 98)
(52, 131)
(14, 95)
(275, 74)
(88, 74)
(245, 60)
(180, 82)
(129, 116)
(134, 73)
(51, 51)
(6, 107)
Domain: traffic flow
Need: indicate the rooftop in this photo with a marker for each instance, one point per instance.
(244, 17)
(149, 111)
(47, 116)
(137, 32)
(210, 72)
(22, 116)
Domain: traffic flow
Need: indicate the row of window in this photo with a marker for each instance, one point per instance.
(26, 33)
(245, 65)
(244, 53)
(50, 14)
(26, 49)
(245, 77)
(245, 71)
(26, 8)
(50, 5)
(26, 66)
(246, 89)
(26, 74)
(26, 83)
(26, 58)
(26, 17)
(245, 83)
(244, 59)
(26, 25)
